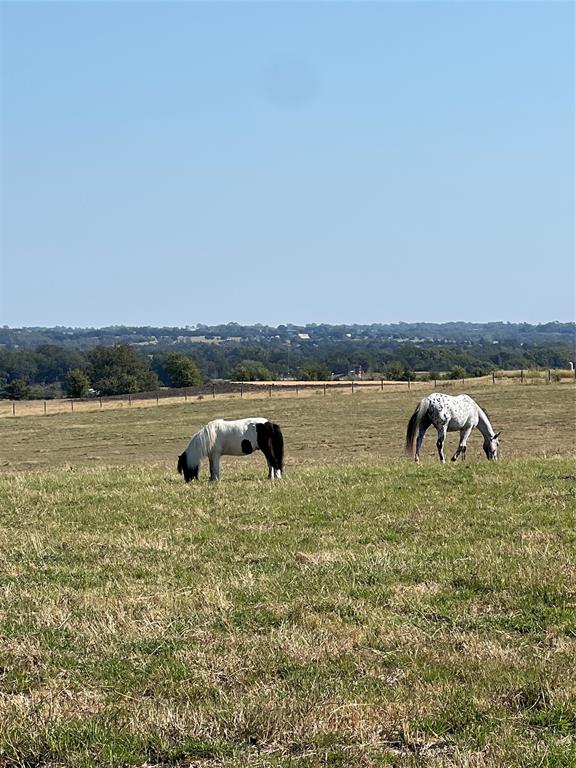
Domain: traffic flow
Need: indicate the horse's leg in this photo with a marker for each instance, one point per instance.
(464, 435)
(272, 463)
(440, 443)
(214, 460)
(273, 472)
(421, 433)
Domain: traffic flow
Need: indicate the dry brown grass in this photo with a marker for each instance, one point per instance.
(365, 612)
(365, 427)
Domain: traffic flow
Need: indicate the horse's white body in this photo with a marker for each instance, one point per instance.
(238, 437)
(450, 414)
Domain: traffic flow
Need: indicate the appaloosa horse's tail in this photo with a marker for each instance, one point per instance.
(419, 417)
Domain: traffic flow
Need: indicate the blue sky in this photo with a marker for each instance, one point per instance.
(170, 163)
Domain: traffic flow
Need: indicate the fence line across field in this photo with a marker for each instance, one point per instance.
(268, 389)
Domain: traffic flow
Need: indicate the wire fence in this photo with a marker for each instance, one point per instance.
(240, 390)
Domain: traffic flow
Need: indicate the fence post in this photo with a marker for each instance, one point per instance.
(352, 382)
(100, 401)
(213, 391)
(13, 408)
(493, 378)
(241, 390)
(408, 382)
(269, 390)
(549, 375)
(324, 390)
(44, 407)
(381, 385)
(521, 376)
(72, 405)
(297, 390)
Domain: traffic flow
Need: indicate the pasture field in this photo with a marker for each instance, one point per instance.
(341, 428)
(362, 612)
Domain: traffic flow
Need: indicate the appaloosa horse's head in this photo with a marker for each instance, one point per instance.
(491, 445)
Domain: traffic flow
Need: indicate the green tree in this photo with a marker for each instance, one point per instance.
(120, 370)
(181, 371)
(17, 389)
(457, 372)
(251, 370)
(76, 383)
(54, 363)
(312, 371)
(395, 371)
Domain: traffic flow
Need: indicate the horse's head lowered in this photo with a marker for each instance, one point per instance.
(190, 473)
(491, 445)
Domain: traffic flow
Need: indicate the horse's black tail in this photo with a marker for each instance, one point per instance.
(277, 443)
(414, 424)
(271, 443)
(182, 464)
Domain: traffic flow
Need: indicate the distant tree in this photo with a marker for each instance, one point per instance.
(180, 371)
(18, 364)
(457, 372)
(54, 363)
(251, 370)
(120, 370)
(17, 389)
(312, 371)
(397, 371)
(76, 383)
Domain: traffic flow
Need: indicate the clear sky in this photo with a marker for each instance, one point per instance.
(172, 163)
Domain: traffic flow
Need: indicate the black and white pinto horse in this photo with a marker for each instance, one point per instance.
(450, 414)
(238, 437)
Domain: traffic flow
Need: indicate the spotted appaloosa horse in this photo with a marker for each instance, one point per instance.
(238, 437)
(449, 414)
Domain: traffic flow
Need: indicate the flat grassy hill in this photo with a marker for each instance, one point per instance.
(339, 428)
(362, 612)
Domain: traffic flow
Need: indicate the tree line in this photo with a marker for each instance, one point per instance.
(54, 370)
(442, 333)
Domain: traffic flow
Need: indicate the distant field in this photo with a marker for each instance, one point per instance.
(231, 391)
(362, 612)
(537, 421)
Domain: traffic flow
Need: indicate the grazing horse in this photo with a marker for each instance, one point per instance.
(449, 414)
(235, 438)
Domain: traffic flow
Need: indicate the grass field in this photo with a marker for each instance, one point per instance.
(362, 612)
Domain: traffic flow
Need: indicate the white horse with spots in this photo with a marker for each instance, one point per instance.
(238, 437)
(450, 414)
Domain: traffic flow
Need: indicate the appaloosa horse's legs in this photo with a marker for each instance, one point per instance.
(464, 435)
(421, 433)
(440, 442)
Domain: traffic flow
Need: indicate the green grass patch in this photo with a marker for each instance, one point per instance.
(369, 615)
